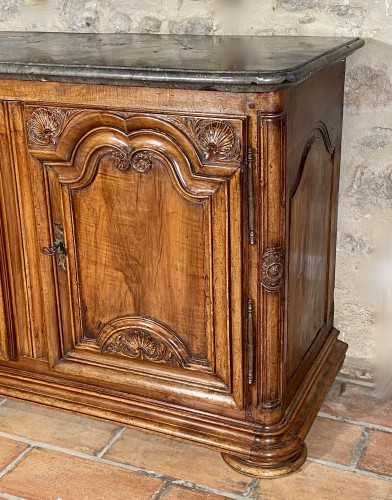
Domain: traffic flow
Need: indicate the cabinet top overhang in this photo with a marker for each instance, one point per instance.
(182, 61)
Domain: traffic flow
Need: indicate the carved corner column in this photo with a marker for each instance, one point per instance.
(272, 265)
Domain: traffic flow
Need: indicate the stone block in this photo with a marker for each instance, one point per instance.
(150, 24)
(368, 86)
(192, 26)
(8, 8)
(378, 138)
(370, 187)
(120, 23)
(297, 5)
(346, 11)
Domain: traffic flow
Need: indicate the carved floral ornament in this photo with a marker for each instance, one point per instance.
(126, 158)
(139, 344)
(272, 269)
(216, 139)
(46, 125)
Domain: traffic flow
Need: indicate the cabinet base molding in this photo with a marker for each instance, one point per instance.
(248, 447)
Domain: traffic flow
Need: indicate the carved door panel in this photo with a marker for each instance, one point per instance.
(145, 212)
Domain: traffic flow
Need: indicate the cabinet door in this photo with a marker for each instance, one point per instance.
(145, 214)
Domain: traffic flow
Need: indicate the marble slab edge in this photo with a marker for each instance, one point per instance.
(233, 81)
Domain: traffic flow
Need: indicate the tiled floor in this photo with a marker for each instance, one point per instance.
(50, 455)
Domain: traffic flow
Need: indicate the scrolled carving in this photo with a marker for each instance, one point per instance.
(138, 343)
(46, 125)
(126, 158)
(216, 139)
(121, 158)
(273, 269)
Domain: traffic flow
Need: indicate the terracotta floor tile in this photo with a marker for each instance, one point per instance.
(318, 482)
(46, 475)
(332, 440)
(180, 460)
(359, 403)
(55, 427)
(378, 455)
(9, 450)
(178, 493)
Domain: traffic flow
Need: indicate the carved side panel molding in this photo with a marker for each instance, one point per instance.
(319, 133)
(144, 339)
(273, 269)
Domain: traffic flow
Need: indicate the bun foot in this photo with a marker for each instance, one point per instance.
(255, 469)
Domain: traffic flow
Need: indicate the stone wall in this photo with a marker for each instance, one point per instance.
(366, 185)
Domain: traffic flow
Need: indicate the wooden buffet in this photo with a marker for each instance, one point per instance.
(167, 233)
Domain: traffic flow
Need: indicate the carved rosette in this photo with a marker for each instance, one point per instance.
(46, 125)
(125, 159)
(141, 161)
(273, 269)
(216, 139)
(137, 343)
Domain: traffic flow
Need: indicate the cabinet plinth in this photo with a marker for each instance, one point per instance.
(168, 234)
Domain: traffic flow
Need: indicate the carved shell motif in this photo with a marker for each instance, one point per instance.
(136, 343)
(45, 126)
(216, 139)
(126, 158)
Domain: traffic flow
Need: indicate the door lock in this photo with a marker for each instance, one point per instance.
(58, 248)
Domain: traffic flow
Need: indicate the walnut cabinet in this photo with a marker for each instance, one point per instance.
(167, 234)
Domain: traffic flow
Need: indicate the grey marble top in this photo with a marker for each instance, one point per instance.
(168, 60)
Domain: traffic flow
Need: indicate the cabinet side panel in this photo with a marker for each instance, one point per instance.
(313, 156)
(310, 212)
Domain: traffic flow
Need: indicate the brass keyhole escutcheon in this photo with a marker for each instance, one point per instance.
(58, 248)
